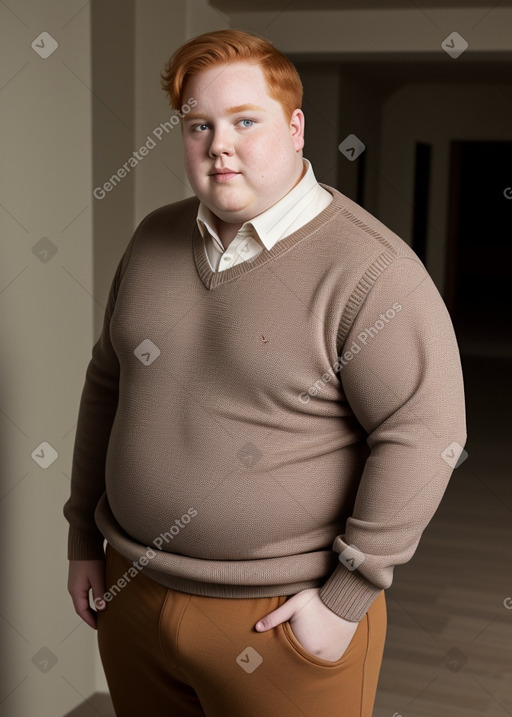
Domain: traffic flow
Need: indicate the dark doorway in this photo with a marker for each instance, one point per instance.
(479, 248)
(421, 199)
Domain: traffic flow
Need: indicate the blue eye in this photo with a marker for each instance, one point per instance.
(247, 120)
(198, 127)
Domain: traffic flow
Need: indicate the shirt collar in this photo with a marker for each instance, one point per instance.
(269, 226)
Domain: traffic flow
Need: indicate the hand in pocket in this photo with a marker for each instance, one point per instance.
(318, 629)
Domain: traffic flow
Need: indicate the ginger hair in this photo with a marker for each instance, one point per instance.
(228, 46)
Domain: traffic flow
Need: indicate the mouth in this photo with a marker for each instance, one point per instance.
(223, 174)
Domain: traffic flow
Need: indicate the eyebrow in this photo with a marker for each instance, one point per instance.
(230, 110)
(244, 108)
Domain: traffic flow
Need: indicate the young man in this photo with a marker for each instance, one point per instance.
(269, 420)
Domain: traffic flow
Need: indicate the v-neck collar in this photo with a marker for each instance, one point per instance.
(212, 279)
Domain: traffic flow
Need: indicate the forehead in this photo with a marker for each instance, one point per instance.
(229, 84)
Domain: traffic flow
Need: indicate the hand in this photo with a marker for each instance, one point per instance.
(83, 576)
(318, 629)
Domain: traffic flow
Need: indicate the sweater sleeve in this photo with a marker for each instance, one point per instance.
(402, 378)
(96, 414)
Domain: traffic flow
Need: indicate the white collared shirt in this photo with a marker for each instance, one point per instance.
(302, 203)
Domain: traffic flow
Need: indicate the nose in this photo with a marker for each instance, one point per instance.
(221, 142)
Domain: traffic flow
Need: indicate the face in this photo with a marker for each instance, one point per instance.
(241, 153)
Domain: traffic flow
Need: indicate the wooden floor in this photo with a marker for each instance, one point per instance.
(449, 642)
(98, 705)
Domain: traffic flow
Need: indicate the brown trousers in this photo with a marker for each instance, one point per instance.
(172, 654)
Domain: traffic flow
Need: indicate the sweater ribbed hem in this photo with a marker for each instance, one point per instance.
(85, 545)
(216, 590)
(265, 577)
(348, 593)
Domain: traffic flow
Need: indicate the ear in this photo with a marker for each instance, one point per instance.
(297, 123)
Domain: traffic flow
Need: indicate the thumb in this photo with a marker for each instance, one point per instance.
(98, 592)
(276, 616)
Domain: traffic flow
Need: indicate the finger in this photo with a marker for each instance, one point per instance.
(276, 617)
(306, 597)
(98, 591)
(81, 604)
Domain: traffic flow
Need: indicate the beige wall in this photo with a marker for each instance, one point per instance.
(46, 309)
(413, 30)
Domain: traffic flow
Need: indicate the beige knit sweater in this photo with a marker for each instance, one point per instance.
(288, 423)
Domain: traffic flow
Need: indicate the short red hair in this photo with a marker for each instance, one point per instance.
(225, 46)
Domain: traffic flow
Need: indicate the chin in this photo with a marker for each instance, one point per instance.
(234, 215)
(233, 211)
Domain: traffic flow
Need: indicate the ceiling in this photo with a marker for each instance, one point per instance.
(388, 72)
(231, 6)
(391, 68)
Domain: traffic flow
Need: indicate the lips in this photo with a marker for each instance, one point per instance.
(223, 174)
(223, 170)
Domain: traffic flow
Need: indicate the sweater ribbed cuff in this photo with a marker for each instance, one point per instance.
(85, 545)
(348, 593)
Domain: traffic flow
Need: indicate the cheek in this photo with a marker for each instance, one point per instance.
(258, 157)
(191, 157)
(265, 153)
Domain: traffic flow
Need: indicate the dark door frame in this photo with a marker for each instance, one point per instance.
(452, 234)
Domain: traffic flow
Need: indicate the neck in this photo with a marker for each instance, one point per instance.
(226, 231)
